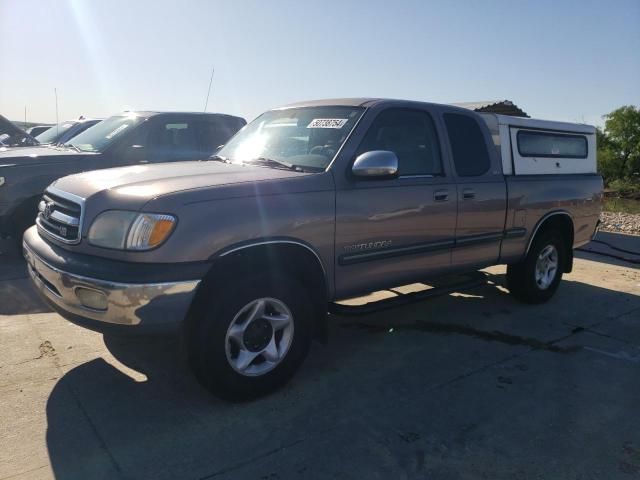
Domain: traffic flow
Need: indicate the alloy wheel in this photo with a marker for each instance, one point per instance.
(259, 336)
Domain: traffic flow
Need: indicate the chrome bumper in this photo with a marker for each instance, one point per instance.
(132, 304)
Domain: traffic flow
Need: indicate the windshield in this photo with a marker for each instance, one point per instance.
(54, 133)
(307, 137)
(101, 135)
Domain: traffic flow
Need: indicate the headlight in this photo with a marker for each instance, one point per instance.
(129, 230)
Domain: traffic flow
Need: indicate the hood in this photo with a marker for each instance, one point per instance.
(13, 136)
(36, 155)
(150, 181)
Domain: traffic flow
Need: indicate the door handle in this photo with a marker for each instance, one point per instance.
(468, 194)
(441, 195)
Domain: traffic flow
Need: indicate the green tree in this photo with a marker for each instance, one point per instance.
(619, 144)
(608, 166)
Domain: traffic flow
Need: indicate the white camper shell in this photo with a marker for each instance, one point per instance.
(542, 147)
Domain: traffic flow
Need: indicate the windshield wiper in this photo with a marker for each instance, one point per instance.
(267, 162)
(271, 162)
(70, 145)
(218, 158)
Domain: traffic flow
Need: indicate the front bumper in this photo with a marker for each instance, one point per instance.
(147, 307)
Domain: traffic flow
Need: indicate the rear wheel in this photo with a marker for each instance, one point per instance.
(537, 277)
(249, 338)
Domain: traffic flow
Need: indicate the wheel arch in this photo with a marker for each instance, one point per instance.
(283, 255)
(562, 221)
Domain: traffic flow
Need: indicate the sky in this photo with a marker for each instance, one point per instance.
(559, 60)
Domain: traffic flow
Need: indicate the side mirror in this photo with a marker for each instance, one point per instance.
(376, 164)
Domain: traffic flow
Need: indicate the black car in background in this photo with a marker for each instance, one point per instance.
(65, 131)
(127, 139)
(13, 136)
(37, 130)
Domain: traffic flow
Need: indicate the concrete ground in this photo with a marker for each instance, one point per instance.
(471, 385)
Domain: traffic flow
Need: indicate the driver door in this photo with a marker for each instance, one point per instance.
(394, 231)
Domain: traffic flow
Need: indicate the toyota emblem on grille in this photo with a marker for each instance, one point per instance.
(46, 213)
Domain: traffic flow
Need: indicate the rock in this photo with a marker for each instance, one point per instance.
(620, 222)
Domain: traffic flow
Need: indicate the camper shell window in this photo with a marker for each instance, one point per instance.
(551, 145)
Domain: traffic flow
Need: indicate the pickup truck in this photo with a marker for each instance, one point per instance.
(132, 138)
(309, 204)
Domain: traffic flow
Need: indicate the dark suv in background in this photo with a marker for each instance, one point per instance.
(65, 131)
(13, 136)
(38, 129)
(129, 138)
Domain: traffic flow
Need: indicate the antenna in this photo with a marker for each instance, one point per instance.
(209, 90)
(25, 116)
(55, 92)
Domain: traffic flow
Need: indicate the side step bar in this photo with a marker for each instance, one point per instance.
(468, 281)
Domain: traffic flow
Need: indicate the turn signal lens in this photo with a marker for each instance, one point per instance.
(161, 230)
(149, 230)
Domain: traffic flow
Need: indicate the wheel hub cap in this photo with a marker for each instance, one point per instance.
(259, 336)
(546, 267)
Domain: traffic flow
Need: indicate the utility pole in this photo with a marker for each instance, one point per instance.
(25, 116)
(209, 90)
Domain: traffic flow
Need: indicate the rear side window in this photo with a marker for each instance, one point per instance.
(172, 140)
(470, 155)
(551, 145)
(411, 135)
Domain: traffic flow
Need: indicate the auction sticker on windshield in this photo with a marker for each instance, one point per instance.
(328, 123)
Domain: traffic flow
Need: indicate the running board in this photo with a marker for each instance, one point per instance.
(471, 280)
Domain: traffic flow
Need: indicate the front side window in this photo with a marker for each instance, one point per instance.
(411, 135)
(552, 145)
(470, 154)
(103, 134)
(305, 138)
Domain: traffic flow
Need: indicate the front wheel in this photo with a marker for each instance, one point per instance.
(250, 337)
(537, 277)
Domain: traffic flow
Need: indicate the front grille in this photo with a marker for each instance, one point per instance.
(59, 216)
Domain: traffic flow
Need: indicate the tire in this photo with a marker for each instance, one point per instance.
(526, 282)
(228, 324)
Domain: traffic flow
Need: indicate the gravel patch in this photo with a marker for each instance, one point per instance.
(620, 222)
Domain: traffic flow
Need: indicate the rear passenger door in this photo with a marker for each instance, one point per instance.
(396, 230)
(481, 192)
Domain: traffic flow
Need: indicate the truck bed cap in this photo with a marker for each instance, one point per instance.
(542, 124)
